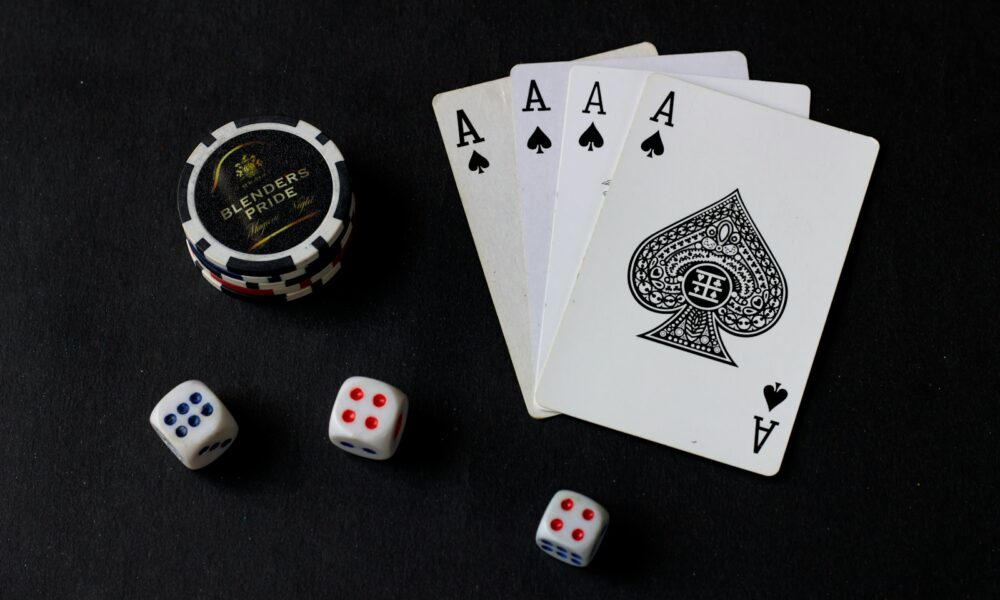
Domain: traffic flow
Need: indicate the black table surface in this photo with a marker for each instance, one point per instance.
(889, 486)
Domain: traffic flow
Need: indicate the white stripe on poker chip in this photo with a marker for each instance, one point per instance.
(301, 254)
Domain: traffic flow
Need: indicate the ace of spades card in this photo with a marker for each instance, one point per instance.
(703, 293)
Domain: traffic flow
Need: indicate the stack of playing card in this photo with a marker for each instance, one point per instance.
(662, 238)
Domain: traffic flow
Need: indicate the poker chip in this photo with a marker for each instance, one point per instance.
(266, 207)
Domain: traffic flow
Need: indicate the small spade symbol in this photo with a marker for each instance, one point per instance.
(774, 395)
(539, 141)
(652, 145)
(478, 162)
(591, 138)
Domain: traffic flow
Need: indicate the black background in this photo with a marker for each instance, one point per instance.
(889, 486)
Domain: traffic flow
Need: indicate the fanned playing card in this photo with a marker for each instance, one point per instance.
(477, 130)
(703, 293)
(603, 100)
(539, 102)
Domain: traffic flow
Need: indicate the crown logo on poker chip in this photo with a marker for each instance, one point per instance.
(248, 166)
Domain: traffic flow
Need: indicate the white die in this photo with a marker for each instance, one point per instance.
(572, 528)
(194, 424)
(368, 418)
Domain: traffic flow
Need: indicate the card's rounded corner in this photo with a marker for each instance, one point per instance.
(771, 472)
(743, 56)
(541, 414)
(650, 46)
(436, 100)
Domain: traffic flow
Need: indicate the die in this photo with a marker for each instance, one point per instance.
(194, 424)
(572, 528)
(368, 418)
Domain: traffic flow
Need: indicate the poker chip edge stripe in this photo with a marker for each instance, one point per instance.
(182, 186)
(345, 204)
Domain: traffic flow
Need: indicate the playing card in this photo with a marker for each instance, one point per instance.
(539, 102)
(601, 103)
(477, 130)
(702, 296)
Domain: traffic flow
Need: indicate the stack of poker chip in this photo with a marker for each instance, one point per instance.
(267, 208)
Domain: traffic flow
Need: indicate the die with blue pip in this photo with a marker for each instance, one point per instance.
(194, 424)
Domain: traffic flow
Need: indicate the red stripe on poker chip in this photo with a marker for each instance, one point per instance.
(240, 289)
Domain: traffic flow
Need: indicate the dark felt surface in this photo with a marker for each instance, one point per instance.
(889, 487)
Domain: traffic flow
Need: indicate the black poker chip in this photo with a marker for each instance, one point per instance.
(266, 206)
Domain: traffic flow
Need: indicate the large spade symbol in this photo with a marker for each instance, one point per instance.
(709, 271)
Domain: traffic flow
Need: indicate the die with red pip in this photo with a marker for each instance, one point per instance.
(368, 418)
(572, 528)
